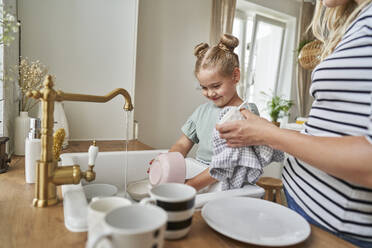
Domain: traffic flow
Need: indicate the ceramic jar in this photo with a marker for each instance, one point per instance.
(21, 128)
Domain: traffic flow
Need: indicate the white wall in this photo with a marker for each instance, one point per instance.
(168, 30)
(289, 7)
(89, 45)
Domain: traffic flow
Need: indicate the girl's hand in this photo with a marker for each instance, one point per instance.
(190, 183)
(152, 161)
(251, 131)
(201, 180)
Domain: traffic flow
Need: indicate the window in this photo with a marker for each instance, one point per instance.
(260, 55)
(242, 29)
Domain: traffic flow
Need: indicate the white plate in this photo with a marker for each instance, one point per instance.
(256, 221)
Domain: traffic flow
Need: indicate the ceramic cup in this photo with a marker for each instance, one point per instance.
(168, 168)
(97, 209)
(179, 201)
(134, 226)
(99, 190)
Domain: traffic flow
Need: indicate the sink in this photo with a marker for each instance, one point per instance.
(109, 169)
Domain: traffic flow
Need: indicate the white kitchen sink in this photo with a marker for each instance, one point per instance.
(109, 169)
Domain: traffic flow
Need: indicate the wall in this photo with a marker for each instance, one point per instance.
(89, 45)
(165, 92)
(289, 7)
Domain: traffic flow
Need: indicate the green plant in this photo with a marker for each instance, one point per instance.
(277, 106)
(9, 26)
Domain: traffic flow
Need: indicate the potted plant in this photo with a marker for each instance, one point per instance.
(277, 107)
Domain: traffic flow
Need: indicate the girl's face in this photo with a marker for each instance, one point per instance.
(219, 89)
(335, 3)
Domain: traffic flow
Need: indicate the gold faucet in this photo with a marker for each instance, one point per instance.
(48, 173)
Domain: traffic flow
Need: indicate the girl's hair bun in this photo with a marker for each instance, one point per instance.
(228, 42)
(200, 49)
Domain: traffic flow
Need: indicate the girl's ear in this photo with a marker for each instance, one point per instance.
(236, 75)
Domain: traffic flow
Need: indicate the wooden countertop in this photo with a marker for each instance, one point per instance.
(22, 225)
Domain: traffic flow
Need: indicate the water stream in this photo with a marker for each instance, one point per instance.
(126, 152)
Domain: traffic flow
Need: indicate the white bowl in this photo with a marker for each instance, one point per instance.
(139, 189)
(99, 190)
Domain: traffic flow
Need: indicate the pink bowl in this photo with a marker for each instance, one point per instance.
(168, 168)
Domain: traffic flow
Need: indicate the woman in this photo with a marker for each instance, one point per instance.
(328, 173)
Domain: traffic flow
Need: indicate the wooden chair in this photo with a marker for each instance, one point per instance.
(273, 188)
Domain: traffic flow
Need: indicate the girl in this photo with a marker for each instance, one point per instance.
(217, 70)
(328, 174)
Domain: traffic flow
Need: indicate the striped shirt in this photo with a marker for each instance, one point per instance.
(342, 91)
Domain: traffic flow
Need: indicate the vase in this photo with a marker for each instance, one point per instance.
(60, 120)
(21, 128)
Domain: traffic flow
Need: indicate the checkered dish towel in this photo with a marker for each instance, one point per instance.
(235, 167)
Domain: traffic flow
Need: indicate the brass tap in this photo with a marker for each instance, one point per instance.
(89, 175)
(48, 173)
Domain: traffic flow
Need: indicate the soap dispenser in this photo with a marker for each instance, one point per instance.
(32, 149)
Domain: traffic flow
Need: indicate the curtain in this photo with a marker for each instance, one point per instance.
(223, 12)
(304, 99)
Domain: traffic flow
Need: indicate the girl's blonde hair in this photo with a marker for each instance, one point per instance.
(330, 24)
(220, 56)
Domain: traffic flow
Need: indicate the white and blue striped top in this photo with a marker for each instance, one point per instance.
(342, 91)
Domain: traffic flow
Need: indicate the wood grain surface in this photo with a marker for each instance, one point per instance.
(22, 225)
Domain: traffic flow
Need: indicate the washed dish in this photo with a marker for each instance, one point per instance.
(168, 168)
(256, 221)
(99, 190)
(139, 189)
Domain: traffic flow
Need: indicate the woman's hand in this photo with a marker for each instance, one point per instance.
(347, 157)
(251, 131)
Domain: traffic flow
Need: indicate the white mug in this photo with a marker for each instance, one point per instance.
(179, 202)
(133, 226)
(97, 209)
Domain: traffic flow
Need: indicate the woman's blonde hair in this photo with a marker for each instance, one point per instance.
(330, 24)
(220, 56)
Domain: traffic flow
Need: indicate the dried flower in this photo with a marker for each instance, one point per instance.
(30, 77)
